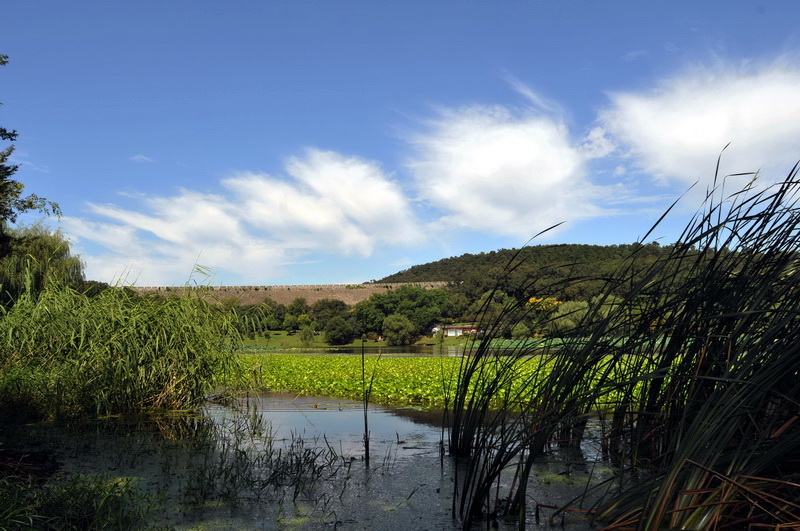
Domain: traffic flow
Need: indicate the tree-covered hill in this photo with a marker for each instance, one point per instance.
(476, 273)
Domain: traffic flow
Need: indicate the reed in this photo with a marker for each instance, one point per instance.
(714, 419)
(694, 372)
(65, 354)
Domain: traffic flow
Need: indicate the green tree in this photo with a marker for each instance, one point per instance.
(12, 202)
(520, 331)
(36, 257)
(338, 331)
(297, 307)
(399, 330)
(490, 306)
(290, 322)
(306, 335)
(303, 320)
(420, 306)
(273, 314)
(324, 310)
(567, 318)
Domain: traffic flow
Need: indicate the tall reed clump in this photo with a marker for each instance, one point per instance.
(693, 372)
(713, 415)
(66, 354)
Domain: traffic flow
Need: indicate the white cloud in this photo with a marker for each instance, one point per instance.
(141, 158)
(335, 203)
(331, 204)
(677, 131)
(494, 169)
(596, 144)
(634, 55)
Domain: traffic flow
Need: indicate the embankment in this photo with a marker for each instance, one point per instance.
(245, 295)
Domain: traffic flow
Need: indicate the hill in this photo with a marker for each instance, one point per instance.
(476, 273)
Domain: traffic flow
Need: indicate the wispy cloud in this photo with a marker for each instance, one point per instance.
(328, 202)
(141, 158)
(676, 131)
(634, 55)
(22, 158)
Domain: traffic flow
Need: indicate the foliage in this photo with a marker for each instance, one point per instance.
(520, 331)
(38, 257)
(338, 331)
(65, 354)
(75, 502)
(421, 307)
(12, 202)
(397, 381)
(398, 330)
(323, 310)
(289, 322)
(474, 274)
(297, 307)
(307, 335)
(568, 318)
(694, 365)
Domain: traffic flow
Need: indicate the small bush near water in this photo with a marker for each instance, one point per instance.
(66, 354)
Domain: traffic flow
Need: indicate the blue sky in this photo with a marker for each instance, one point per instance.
(299, 142)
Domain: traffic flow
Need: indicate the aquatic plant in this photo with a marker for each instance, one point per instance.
(410, 380)
(694, 368)
(65, 354)
(74, 502)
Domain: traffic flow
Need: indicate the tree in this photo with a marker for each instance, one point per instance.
(567, 318)
(273, 314)
(338, 331)
(37, 256)
(297, 306)
(303, 320)
(290, 322)
(520, 331)
(324, 310)
(420, 306)
(490, 306)
(398, 330)
(12, 202)
(306, 335)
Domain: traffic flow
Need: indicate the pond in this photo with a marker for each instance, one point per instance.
(280, 461)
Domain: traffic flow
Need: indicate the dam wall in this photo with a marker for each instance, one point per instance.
(246, 295)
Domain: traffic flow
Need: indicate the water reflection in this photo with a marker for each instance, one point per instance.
(402, 431)
(304, 470)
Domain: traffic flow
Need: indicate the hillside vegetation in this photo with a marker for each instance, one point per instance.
(549, 264)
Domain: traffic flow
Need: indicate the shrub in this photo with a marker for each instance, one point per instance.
(398, 330)
(338, 332)
(66, 354)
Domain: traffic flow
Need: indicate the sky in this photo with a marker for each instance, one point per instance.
(308, 142)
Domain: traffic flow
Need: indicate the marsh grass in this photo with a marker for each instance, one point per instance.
(65, 354)
(240, 462)
(74, 502)
(694, 370)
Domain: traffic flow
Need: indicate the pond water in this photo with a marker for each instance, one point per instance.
(279, 461)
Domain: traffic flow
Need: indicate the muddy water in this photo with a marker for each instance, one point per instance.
(252, 466)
